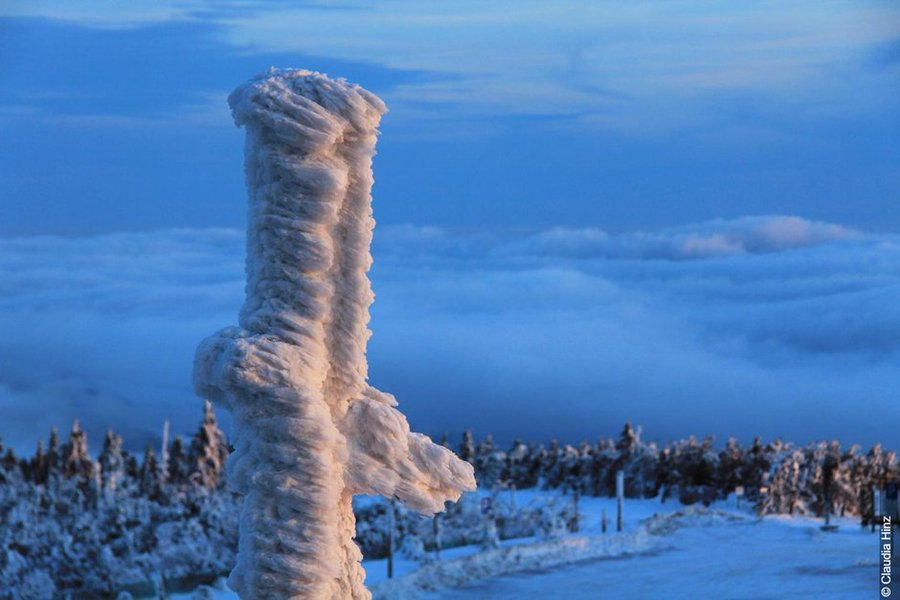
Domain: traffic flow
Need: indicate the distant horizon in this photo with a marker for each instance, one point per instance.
(454, 439)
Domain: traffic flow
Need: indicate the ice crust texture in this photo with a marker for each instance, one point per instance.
(308, 430)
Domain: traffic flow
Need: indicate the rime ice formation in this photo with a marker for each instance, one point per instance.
(309, 432)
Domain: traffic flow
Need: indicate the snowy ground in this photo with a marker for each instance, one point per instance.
(725, 553)
(772, 558)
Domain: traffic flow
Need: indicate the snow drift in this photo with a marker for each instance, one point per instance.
(309, 432)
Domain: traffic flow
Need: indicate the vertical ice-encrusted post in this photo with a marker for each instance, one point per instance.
(308, 431)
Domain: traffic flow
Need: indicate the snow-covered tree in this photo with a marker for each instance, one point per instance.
(53, 455)
(567, 469)
(467, 446)
(132, 467)
(603, 462)
(666, 474)
(75, 459)
(111, 460)
(755, 471)
(62, 537)
(179, 466)
(637, 460)
(489, 463)
(731, 466)
(520, 469)
(150, 477)
(209, 450)
(38, 465)
(786, 491)
(627, 441)
(552, 472)
(696, 464)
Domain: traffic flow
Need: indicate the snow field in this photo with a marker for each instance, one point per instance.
(666, 550)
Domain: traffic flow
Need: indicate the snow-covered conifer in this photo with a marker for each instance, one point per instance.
(209, 450)
(53, 454)
(179, 467)
(757, 463)
(731, 464)
(75, 460)
(467, 446)
(602, 474)
(132, 467)
(38, 465)
(488, 462)
(786, 488)
(111, 460)
(150, 478)
(627, 439)
(551, 473)
(568, 469)
(9, 461)
(519, 469)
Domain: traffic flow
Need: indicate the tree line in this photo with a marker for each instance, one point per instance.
(93, 527)
(777, 477)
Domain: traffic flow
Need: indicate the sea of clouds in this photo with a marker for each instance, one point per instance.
(770, 325)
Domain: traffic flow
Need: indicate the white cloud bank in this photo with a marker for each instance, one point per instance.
(769, 325)
(748, 235)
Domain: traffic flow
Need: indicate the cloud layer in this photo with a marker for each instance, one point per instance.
(764, 325)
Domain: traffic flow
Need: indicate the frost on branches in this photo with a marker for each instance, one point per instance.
(309, 432)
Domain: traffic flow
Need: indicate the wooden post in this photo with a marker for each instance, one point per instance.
(827, 480)
(575, 495)
(620, 498)
(436, 530)
(164, 450)
(603, 521)
(876, 505)
(390, 560)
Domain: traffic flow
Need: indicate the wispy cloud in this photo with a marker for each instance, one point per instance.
(617, 60)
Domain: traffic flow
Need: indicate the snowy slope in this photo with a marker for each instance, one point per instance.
(679, 552)
(665, 551)
(772, 558)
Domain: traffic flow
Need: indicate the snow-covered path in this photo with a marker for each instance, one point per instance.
(666, 551)
(772, 558)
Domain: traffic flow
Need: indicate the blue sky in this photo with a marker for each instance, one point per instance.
(622, 114)
(571, 199)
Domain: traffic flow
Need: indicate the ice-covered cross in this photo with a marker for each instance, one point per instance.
(308, 430)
